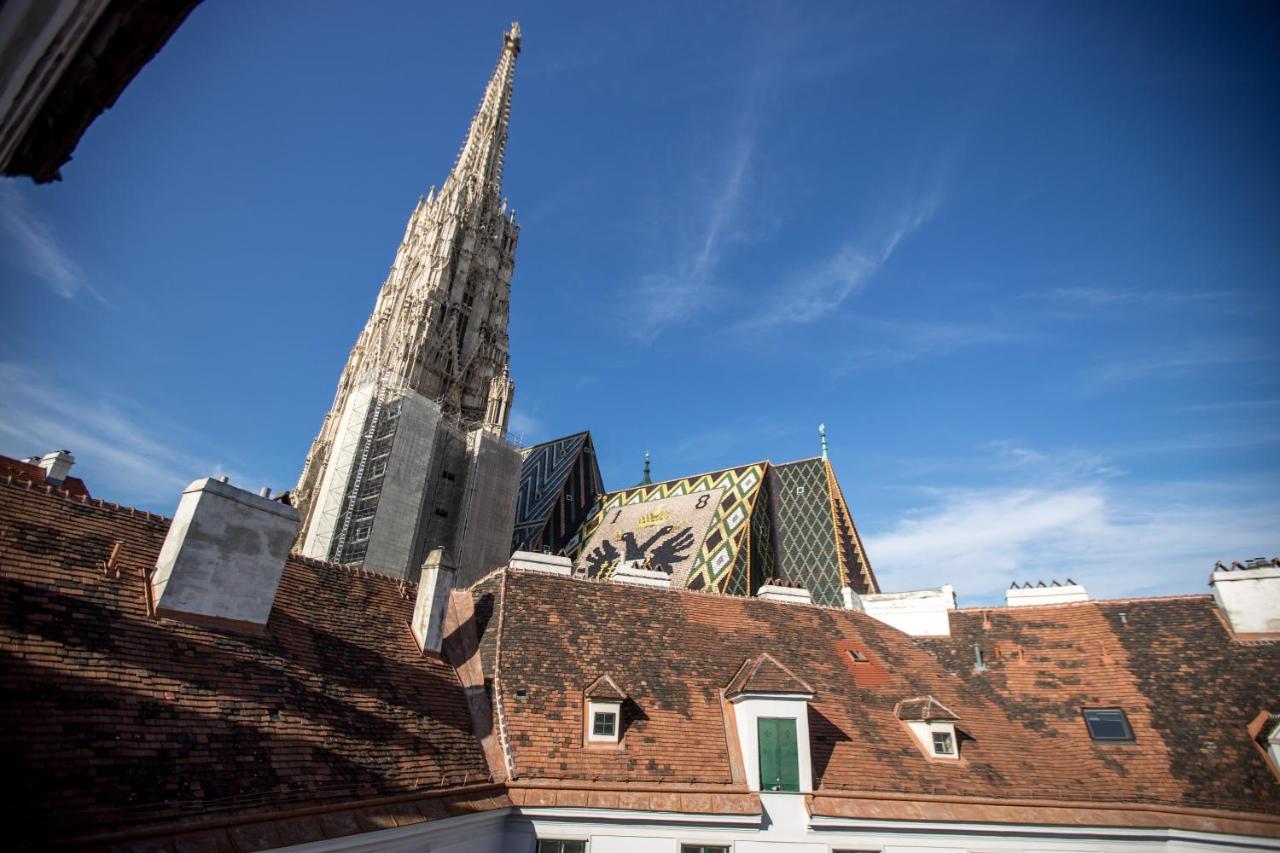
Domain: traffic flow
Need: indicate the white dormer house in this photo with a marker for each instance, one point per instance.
(771, 712)
(602, 720)
(933, 725)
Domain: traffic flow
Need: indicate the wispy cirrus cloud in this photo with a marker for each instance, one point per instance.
(1073, 513)
(33, 245)
(814, 293)
(126, 452)
(881, 341)
(1117, 541)
(1088, 298)
(662, 299)
(1174, 364)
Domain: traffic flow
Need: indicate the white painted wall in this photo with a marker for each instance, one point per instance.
(616, 831)
(749, 709)
(1249, 599)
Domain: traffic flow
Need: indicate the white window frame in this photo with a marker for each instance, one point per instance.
(1273, 746)
(924, 731)
(596, 707)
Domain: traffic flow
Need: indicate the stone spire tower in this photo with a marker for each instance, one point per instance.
(438, 333)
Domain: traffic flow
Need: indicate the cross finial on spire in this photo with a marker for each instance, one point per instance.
(822, 431)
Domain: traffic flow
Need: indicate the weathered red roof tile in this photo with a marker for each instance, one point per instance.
(763, 674)
(119, 719)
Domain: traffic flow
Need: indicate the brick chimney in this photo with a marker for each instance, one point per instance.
(57, 466)
(1249, 595)
(223, 557)
(434, 586)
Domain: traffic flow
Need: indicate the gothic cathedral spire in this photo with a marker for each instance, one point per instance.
(439, 324)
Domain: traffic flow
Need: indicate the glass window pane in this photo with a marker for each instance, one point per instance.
(942, 743)
(604, 724)
(551, 845)
(1108, 724)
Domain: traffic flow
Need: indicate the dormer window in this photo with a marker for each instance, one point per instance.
(603, 713)
(932, 724)
(771, 712)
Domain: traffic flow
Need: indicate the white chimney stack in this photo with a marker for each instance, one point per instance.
(536, 561)
(1249, 596)
(774, 590)
(57, 466)
(1055, 593)
(634, 572)
(923, 613)
(223, 557)
(434, 586)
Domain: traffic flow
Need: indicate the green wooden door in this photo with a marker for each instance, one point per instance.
(779, 759)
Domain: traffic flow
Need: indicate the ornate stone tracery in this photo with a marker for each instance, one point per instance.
(439, 324)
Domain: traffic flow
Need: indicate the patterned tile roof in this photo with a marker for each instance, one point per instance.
(1020, 730)
(559, 482)
(121, 720)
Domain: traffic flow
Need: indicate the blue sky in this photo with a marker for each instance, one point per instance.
(1020, 258)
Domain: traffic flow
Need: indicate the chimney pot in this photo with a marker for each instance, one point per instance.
(264, 492)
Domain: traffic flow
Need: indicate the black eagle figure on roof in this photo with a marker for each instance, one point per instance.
(669, 551)
(661, 551)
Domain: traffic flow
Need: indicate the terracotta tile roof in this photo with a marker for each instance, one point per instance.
(28, 473)
(121, 720)
(1188, 690)
(1020, 729)
(763, 674)
(924, 708)
(605, 688)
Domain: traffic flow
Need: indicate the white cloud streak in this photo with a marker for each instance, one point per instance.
(662, 300)
(36, 249)
(120, 449)
(815, 293)
(1073, 515)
